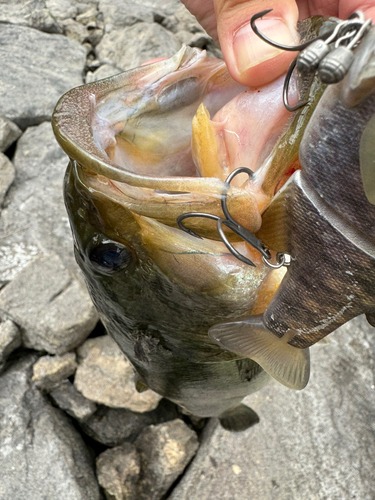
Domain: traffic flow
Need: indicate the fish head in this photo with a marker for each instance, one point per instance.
(137, 163)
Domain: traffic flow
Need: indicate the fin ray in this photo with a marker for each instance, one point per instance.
(250, 338)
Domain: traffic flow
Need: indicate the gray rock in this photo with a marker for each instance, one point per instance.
(318, 443)
(44, 15)
(33, 13)
(134, 45)
(53, 310)
(35, 221)
(118, 470)
(104, 71)
(9, 132)
(112, 427)
(165, 451)
(105, 376)
(36, 69)
(7, 174)
(10, 339)
(50, 371)
(66, 397)
(42, 456)
(120, 13)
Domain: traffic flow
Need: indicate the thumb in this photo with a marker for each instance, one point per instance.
(251, 61)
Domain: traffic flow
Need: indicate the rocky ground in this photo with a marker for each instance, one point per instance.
(72, 425)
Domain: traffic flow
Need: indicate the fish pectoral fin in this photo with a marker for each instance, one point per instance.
(239, 418)
(251, 339)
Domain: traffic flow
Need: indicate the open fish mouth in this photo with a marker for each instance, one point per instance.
(159, 141)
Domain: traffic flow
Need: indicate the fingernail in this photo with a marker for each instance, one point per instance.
(250, 50)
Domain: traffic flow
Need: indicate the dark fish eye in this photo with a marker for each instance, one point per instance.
(110, 257)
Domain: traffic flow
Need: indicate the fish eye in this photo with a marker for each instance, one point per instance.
(110, 257)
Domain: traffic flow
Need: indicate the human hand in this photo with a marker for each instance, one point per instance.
(251, 61)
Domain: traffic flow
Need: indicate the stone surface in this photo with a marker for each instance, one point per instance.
(7, 174)
(120, 13)
(165, 451)
(318, 443)
(53, 310)
(10, 339)
(111, 426)
(66, 397)
(50, 371)
(44, 15)
(33, 13)
(119, 49)
(34, 220)
(9, 132)
(105, 376)
(42, 456)
(36, 69)
(118, 470)
(104, 71)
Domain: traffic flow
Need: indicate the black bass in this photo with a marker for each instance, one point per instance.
(137, 164)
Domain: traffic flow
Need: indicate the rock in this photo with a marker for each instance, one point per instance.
(10, 339)
(36, 69)
(112, 427)
(134, 45)
(165, 451)
(7, 174)
(9, 132)
(44, 15)
(104, 71)
(53, 310)
(118, 470)
(316, 443)
(105, 376)
(50, 371)
(42, 456)
(120, 13)
(33, 13)
(35, 220)
(66, 397)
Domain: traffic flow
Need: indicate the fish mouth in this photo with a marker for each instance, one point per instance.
(163, 138)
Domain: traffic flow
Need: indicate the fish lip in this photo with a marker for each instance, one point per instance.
(72, 113)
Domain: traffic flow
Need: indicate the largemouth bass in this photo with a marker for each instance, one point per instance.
(144, 151)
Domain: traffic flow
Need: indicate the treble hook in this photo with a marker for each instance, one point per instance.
(230, 223)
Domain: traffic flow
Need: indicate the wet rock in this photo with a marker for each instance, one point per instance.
(53, 310)
(50, 371)
(112, 427)
(9, 132)
(104, 71)
(10, 339)
(66, 397)
(118, 470)
(152, 40)
(7, 174)
(165, 451)
(105, 376)
(36, 69)
(315, 443)
(41, 454)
